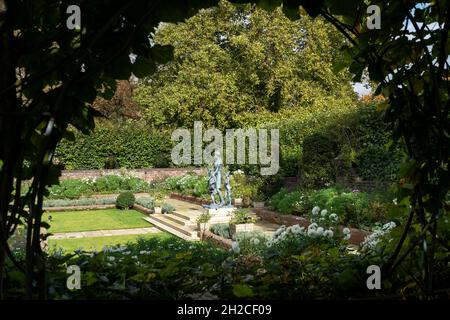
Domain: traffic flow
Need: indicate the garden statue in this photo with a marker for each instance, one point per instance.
(228, 188)
(215, 183)
(212, 186)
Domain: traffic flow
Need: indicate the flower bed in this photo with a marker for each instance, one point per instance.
(192, 199)
(357, 236)
(80, 208)
(217, 240)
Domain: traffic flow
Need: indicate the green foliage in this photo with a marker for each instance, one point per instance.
(148, 203)
(284, 201)
(75, 188)
(221, 229)
(204, 217)
(125, 200)
(188, 184)
(130, 144)
(71, 189)
(242, 61)
(167, 208)
(317, 166)
(242, 216)
(355, 208)
(78, 202)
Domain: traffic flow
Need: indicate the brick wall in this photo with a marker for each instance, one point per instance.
(146, 174)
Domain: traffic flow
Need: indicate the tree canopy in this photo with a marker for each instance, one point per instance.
(234, 61)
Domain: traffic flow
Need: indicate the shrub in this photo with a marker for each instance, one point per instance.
(317, 167)
(290, 202)
(148, 203)
(167, 208)
(78, 202)
(71, 189)
(125, 200)
(108, 183)
(242, 216)
(221, 229)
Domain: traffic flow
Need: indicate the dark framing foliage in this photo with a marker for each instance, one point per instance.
(42, 90)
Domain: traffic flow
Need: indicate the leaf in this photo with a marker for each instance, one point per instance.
(143, 67)
(242, 290)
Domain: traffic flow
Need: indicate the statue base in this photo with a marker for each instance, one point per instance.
(220, 214)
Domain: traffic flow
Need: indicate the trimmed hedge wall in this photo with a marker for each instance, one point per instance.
(128, 145)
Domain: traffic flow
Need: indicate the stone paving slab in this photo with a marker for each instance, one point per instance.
(103, 233)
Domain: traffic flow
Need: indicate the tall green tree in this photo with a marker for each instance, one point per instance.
(233, 61)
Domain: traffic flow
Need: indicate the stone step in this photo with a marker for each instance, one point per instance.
(184, 220)
(161, 222)
(191, 215)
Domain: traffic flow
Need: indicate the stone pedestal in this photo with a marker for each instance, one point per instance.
(220, 215)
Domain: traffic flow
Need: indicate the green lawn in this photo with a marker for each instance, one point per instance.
(97, 243)
(90, 220)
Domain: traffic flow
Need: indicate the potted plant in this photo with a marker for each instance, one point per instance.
(241, 221)
(167, 208)
(202, 223)
(258, 201)
(159, 201)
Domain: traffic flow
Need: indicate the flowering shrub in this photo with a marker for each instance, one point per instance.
(75, 188)
(355, 208)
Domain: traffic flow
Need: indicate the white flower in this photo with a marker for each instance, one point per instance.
(312, 226)
(255, 241)
(235, 247)
(334, 217)
(346, 231)
(111, 259)
(315, 210)
(312, 232)
(328, 233)
(126, 253)
(347, 236)
(296, 229)
(320, 231)
(269, 244)
(388, 226)
(324, 212)
(134, 257)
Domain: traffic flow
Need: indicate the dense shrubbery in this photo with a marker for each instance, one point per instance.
(75, 188)
(295, 263)
(317, 167)
(355, 207)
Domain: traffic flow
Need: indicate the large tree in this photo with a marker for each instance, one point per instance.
(231, 61)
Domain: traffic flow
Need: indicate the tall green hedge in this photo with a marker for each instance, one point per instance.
(128, 145)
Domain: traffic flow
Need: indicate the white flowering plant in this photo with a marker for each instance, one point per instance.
(252, 243)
